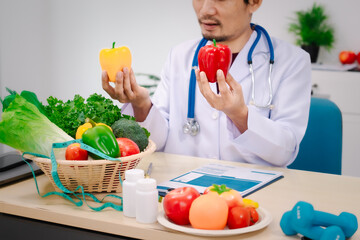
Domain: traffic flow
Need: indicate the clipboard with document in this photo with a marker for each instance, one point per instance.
(243, 179)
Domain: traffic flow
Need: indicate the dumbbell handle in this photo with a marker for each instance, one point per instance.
(326, 219)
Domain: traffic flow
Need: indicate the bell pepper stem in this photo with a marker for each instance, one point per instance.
(113, 46)
(88, 120)
(214, 41)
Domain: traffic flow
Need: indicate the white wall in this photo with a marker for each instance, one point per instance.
(51, 47)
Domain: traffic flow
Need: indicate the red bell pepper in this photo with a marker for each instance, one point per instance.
(214, 57)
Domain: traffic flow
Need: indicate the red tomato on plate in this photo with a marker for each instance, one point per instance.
(239, 217)
(177, 204)
(127, 147)
(254, 215)
(74, 152)
(358, 58)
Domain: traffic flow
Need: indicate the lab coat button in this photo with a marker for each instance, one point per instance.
(215, 115)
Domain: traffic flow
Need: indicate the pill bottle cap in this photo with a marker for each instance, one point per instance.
(133, 175)
(146, 184)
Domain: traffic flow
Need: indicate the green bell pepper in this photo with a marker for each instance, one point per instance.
(103, 139)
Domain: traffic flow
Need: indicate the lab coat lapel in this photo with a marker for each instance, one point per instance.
(240, 68)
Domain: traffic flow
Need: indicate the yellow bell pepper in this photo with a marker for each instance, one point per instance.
(82, 128)
(250, 203)
(114, 60)
(98, 124)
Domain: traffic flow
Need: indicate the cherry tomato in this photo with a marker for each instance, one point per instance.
(127, 147)
(177, 204)
(347, 57)
(254, 216)
(74, 152)
(239, 217)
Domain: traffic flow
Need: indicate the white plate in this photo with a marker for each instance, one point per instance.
(264, 219)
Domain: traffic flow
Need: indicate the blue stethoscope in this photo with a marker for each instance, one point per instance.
(192, 127)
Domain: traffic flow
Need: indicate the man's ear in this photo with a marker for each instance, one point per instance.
(254, 5)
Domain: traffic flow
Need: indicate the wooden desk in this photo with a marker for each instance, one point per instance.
(330, 193)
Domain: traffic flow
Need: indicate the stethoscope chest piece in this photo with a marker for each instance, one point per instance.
(192, 127)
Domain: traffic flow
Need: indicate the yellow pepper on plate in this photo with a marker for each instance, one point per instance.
(250, 203)
(114, 60)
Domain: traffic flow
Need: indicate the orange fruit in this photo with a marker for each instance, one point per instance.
(209, 212)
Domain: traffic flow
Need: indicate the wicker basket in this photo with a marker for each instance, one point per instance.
(93, 175)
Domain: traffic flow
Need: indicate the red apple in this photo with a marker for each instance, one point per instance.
(347, 57)
(177, 204)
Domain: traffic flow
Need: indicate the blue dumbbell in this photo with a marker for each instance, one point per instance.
(304, 215)
(290, 227)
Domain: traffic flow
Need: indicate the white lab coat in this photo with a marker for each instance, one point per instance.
(273, 136)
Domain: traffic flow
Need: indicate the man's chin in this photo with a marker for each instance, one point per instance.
(217, 38)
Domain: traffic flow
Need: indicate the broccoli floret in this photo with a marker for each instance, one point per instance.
(125, 128)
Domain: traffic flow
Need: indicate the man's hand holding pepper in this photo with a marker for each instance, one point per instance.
(126, 90)
(230, 99)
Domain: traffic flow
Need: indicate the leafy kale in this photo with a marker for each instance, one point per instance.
(71, 114)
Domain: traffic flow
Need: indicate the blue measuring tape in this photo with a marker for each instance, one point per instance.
(68, 194)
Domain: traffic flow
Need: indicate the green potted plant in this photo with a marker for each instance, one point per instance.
(312, 30)
(149, 81)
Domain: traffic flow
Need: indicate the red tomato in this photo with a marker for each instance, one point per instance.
(347, 57)
(358, 58)
(74, 152)
(127, 147)
(254, 216)
(177, 204)
(238, 217)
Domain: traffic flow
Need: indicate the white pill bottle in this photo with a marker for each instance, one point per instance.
(146, 200)
(129, 191)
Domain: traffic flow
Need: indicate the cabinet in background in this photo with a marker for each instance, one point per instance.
(343, 88)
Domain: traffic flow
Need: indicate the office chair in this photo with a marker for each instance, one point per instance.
(321, 148)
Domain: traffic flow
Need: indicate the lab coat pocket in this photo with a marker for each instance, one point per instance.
(262, 111)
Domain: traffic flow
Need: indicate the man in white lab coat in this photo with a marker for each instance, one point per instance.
(230, 128)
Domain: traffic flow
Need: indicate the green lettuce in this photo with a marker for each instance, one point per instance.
(69, 115)
(25, 128)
